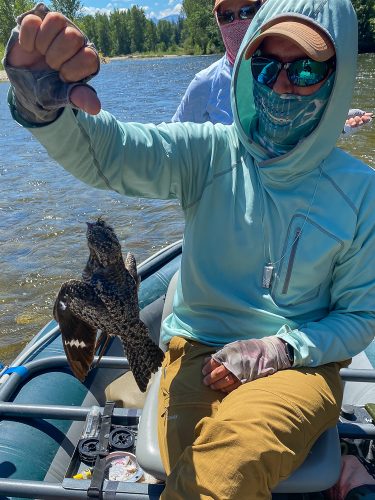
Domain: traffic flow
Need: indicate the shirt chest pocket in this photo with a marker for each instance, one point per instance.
(310, 252)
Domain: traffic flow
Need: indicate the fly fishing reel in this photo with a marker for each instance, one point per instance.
(121, 439)
(88, 450)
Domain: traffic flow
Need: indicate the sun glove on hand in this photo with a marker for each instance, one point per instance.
(254, 358)
(348, 129)
(39, 95)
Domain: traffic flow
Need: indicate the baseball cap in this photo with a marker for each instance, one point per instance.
(309, 37)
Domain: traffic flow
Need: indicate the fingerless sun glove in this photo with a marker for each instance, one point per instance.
(254, 358)
(39, 95)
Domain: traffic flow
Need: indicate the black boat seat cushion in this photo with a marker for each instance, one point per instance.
(319, 472)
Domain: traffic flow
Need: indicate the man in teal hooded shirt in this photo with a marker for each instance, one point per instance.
(276, 289)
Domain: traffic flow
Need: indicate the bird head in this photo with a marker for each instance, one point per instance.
(103, 242)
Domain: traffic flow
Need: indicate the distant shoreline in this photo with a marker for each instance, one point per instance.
(141, 56)
(4, 77)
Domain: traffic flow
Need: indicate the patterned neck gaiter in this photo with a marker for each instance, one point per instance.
(285, 119)
(233, 34)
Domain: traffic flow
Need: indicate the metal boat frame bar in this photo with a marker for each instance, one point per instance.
(33, 367)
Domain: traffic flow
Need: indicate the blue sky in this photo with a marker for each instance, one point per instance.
(153, 8)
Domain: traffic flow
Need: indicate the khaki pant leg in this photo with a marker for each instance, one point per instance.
(254, 437)
(183, 399)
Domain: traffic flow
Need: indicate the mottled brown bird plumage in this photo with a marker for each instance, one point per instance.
(105, 301)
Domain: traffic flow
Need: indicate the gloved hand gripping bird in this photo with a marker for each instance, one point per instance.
(105, 302)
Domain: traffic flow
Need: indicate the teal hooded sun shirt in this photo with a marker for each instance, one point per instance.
(309, 212)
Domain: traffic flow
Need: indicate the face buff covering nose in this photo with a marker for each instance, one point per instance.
(232, 34)
(285, 119)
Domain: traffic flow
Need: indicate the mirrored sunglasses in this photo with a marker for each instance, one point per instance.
(302, 72)
(245, 12)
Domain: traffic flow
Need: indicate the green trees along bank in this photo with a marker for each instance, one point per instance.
(126, 32)
(365, 10)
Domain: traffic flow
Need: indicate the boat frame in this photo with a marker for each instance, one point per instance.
(135, 491)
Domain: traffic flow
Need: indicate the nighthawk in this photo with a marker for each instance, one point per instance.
(105, 303)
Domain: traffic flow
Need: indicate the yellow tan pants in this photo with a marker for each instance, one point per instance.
(238, 446)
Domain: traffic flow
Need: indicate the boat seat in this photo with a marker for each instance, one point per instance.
(319, 472)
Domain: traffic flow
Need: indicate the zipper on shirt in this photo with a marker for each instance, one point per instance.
(291, 260)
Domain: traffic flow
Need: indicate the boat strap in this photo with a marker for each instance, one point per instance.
(95, 489)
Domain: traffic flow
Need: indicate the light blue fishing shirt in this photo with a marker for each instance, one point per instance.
(207, 98)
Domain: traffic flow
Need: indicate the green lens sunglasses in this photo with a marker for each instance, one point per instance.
(302, 72)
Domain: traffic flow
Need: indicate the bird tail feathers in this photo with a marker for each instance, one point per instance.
(143, 354)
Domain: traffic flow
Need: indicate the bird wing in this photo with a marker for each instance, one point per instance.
(80, 314)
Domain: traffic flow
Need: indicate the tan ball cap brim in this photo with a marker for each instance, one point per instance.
(312, 40)
(217, 4)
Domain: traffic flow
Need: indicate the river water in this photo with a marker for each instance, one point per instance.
(43, 209)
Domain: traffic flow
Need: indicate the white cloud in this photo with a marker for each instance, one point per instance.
(176, 10)
(119, 4)
(91, 11)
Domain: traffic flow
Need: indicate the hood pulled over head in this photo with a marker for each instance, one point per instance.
(321, 29)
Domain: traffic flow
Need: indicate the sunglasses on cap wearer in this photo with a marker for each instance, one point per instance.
(245, 12)
(301, 72)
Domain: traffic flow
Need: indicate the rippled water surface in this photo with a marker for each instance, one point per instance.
(43, 209)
